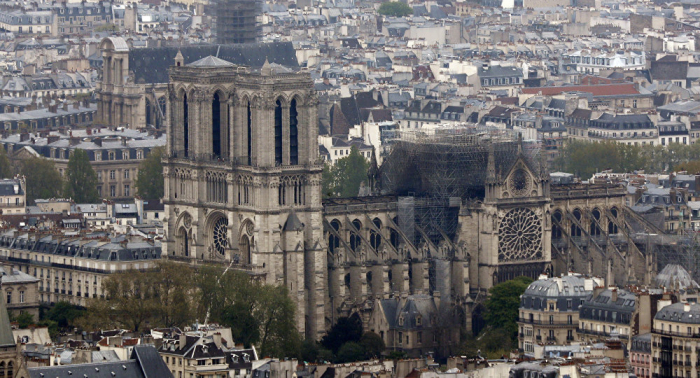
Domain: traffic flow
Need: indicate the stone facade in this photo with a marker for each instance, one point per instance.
(243, 187)
(243, 180)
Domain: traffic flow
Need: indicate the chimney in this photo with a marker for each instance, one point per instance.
(88, 131)
(217, 339)
(183, 341)
(74, 141)
(65, 106)
(672, 194)
(123, 141)
(76, 105)
(597, 290)
(86, 103)
(53, 139)
(613, 296)
(24, 136)
(97, 141)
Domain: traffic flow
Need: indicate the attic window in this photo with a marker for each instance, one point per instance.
(419, 320)
(401, 321)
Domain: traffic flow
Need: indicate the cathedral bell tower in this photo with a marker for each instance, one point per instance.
(243, 179)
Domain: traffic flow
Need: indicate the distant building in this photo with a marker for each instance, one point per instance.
(549, 310)
(144, 363)
(21, 291)
(13, 196)
(236, 21)
(675, 340)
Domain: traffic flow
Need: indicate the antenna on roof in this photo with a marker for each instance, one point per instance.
(218, 48)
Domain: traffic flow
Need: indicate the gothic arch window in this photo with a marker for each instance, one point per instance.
(394, 238)
(374, 238)
(575, 230)
(355, 240)
(250, 134)
(184, 242)
(293, 133)
(595, 230)
(244, 251)
(556, 219)
(185, 126)
(149, 112)
(216, 125)
(334, 241)
(278, 133)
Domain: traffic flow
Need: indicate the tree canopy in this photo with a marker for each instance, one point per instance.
(586, 158)
(5, 166)
(174, 295)
(42, 179)
(150, 181)
(81, 179)
(503, 303)
(345, 177)
(395, 9)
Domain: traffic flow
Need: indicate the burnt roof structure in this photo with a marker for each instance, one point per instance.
(450, 162)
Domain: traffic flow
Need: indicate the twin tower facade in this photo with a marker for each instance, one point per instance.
(243, 177)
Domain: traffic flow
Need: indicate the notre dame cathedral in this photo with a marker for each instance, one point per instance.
(243, 186)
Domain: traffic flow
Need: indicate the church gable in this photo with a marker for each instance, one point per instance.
(520, 181)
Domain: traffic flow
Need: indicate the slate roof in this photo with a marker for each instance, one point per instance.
(7, 187)
(150, 65)
(663, 70)
(145, 362)
(595, 90)
(677, 313)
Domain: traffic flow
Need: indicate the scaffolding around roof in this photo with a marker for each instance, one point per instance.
(436, 168)
(445, 162)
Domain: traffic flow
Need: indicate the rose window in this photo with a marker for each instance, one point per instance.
(520, 236)
(221, 235)
(519, 184)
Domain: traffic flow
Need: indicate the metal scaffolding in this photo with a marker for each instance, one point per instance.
(440, 167)
(235, 21)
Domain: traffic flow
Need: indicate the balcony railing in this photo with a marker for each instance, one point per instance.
(11, 205)
(547, 322)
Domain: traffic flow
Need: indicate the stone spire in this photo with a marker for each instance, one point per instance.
(266, 69)
(179, 59)
(491, 166)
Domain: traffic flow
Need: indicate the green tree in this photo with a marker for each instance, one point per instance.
(693, 167)
(350, 352)
(372, 344)
(345, 177)
(244, 326)
(149, 181)
(503, 303)
(81, 179)
(5, 166)
(173, 303)
(343, 331)
(395, 9)
(42, 178)
(24, 320)
(64, 314)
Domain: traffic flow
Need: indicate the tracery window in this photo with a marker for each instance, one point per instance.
(520, 236)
